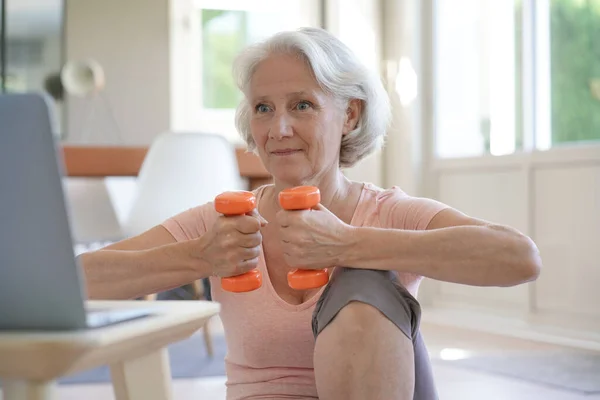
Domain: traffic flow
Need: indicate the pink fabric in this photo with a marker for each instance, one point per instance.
(270, 342)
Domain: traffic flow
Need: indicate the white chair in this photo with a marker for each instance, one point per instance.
(91, 213)
(181, 171)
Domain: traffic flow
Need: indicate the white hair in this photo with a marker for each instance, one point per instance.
(339, 73)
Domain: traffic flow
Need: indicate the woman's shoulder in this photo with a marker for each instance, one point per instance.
(396, 208)
(391, 194)
(380, 195)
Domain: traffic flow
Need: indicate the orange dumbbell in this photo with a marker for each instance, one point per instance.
(303, 198)
(231, 204)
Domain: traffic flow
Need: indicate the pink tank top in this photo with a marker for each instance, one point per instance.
(269, 341)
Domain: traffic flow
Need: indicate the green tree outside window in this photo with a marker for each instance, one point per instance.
(575, 70)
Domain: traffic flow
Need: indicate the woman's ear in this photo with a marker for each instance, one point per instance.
(352, 116)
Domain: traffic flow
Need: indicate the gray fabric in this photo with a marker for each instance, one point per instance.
(380, 290)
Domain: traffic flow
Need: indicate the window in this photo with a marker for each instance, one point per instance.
(515, 75)
(476, 79)
(574, 70)
(31, 47)
(224, 34)
(219, 30)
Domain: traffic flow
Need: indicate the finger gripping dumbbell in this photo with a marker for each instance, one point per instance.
(303, 198)
(232, 204)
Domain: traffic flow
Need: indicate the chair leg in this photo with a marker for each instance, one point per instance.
(198, 290)
(199, 294)
(208, 340)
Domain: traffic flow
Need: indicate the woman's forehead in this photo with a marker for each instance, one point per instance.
(284, 76)
(282, 69)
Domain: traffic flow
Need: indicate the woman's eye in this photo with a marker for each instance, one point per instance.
(262, 108)
(303, 106)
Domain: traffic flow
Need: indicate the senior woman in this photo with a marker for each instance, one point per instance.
(310, 109)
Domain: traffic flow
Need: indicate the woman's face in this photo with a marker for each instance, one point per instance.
(296, 126)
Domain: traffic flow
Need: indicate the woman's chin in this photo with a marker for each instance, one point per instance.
(286, 171)
(291, 178)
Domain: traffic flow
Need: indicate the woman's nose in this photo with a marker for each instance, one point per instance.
(281, 127)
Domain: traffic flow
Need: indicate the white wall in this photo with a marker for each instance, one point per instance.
(382, 33)
(567, 229)
(403, 155)
(358, 24)
(130, 39)
(554, 197)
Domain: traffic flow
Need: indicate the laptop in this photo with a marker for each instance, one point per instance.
(41, 284)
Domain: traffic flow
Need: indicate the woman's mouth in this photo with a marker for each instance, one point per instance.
(285, 152)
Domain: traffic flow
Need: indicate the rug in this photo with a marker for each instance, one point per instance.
(567, 370)
(188, 359)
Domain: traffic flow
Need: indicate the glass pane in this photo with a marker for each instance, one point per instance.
(33, 47)
(477, 77)
(2, 47)
(224, 34)
(575, 70)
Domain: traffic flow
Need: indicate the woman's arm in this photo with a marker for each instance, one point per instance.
(145, 264)
(454, 248)
(154, 261)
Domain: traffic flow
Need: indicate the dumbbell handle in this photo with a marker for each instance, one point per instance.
(303, 198)
(231, 204)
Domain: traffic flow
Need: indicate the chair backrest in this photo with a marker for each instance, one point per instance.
(181, 171)
(92, 215)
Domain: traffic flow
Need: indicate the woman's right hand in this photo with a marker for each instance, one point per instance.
(232, 246)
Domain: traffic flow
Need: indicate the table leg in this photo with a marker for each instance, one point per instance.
(143, 378)
(28, 390)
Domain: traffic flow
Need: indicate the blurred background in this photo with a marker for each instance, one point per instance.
(496, 109)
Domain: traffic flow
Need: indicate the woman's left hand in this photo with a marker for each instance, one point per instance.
(313, 239)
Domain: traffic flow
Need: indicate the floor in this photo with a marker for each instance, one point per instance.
(453, 383)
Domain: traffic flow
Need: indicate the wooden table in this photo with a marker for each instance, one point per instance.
(102, 161)
(30, 363)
